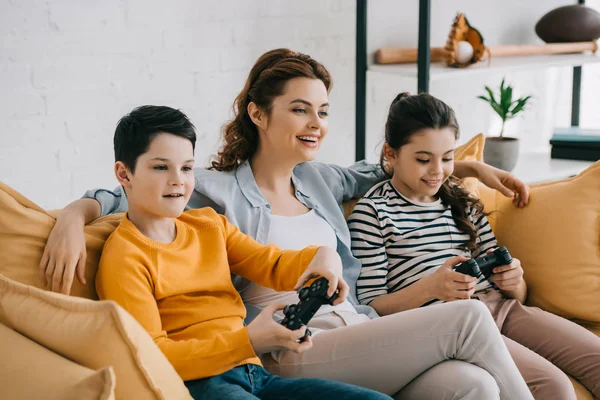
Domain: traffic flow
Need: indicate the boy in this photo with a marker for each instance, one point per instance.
(171, 271)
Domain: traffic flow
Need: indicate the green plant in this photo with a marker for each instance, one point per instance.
(506, 108)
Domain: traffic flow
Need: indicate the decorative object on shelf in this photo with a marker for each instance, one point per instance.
(500, 151)
(464, 52)
(465, 44)
(437, 54)
(575, 143)
(573, 23)
(539, 49)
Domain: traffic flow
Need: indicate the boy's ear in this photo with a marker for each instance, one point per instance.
(256, 115)
(122, 174)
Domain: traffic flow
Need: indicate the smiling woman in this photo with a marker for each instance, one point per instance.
(291, 130)
(281, 83)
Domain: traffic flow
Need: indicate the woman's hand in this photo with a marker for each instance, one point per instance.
(64, 255)
(266, 335)
(326, 263)
(448, 285)
(504, 182)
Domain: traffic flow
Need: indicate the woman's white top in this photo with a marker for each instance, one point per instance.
(295, 233)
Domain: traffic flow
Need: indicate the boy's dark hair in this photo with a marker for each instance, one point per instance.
(135, 131)
(408, 115)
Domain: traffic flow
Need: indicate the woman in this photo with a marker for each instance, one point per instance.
(264, 185)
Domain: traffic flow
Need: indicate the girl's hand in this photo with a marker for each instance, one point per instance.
(508, 277)
(449, 285)
(266, 335)
(326, 263)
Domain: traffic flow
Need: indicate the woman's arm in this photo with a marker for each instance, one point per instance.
(65, 252)
(505, 182)
(352, 182)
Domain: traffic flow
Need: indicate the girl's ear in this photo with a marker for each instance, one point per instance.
(389, 154)
(257, 115)
(122, 174)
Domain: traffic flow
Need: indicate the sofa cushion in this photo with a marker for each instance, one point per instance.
(471, 151)
(51, 376)
(24, 230)
(557, 239)
(94, 334)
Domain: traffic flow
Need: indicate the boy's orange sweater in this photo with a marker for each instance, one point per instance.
(182, 293)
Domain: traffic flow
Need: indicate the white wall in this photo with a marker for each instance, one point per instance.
(69, 69)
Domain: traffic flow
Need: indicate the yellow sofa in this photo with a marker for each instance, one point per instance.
(557, 237)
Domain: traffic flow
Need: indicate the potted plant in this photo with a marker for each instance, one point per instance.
(501, 151)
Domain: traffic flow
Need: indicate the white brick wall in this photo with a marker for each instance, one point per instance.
(69, 69)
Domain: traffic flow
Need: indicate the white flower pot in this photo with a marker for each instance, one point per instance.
(501, 152)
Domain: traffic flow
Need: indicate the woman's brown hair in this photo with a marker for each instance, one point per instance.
(410, 114)
(266, 81)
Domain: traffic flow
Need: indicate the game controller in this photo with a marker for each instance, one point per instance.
(311, 298)
(485, 264)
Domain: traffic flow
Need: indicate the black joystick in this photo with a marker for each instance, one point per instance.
(485, 264)
(311, 298)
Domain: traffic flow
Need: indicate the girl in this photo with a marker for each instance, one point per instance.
(411, 230)
(263, 183)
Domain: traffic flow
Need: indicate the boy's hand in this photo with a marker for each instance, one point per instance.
(449, 285)
(508, 277)
(326, 263)
(267, 335)
(64, 255)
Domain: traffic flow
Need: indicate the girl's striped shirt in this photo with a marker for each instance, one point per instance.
(400, 241)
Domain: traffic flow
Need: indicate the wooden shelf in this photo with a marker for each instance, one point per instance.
(538, 167)
(440, 71)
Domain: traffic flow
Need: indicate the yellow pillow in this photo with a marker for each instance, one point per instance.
(96, 335)
(471, 151)
(557, 239)
(50, 377)
(24, 230)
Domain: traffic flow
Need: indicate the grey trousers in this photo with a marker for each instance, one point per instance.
(446, 351)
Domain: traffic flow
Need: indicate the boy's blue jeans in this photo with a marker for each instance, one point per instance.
(254, 382)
